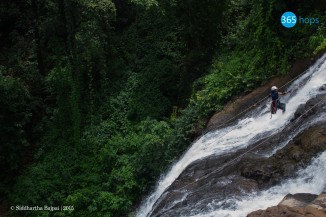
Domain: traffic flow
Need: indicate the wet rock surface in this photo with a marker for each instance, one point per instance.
(307, 109)
(285, 162)
(202, 194)
(207, 181)
(323, 88)
(297, 205)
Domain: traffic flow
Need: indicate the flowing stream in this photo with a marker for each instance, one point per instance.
(310, 180)
(254, 126)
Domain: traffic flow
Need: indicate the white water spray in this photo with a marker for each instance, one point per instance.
(243, 133)
(310, 180)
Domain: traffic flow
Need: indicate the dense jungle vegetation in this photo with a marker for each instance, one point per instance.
(99, 97)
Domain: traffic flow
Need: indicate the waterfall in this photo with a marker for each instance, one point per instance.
(254, 126)
(310, 180)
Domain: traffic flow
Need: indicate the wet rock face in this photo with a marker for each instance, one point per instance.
(297, 200)
(203, 193)
(297, 153)
(323, 88)
(286, 161)
(249, 175)
(297, 205)
(309, 108)
(206, 182)
(262, 173)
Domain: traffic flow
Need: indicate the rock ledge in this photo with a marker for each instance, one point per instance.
(296, 205)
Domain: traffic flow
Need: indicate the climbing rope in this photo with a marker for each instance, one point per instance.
(247, 109)
(243, 154)
(258, 102)
(233, 161)
(231, 119)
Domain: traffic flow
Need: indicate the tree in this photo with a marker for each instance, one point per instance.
(14, 114)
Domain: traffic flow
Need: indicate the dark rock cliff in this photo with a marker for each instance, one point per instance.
(214, 177)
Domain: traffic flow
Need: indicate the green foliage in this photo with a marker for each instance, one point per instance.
(66, 114)
(255, 49)
(317, 41)
(145, 3)
(152, 59)
(321, 47)
(14, 114)
(109, 177)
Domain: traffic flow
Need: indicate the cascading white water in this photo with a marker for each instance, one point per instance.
(310, 180)
(243, 133)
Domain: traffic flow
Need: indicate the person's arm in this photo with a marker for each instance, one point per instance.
(282, 93)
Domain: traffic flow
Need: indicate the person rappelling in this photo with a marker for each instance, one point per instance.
(276, 103)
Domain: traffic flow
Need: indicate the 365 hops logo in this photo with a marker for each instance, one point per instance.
(289, 20)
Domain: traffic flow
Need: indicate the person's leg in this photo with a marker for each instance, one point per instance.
(273, 107)
(281, 106)
(284, 107)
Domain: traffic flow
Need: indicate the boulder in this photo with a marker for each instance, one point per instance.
(323, 87)
(297, 205)
(307, 109)
(317, 207)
